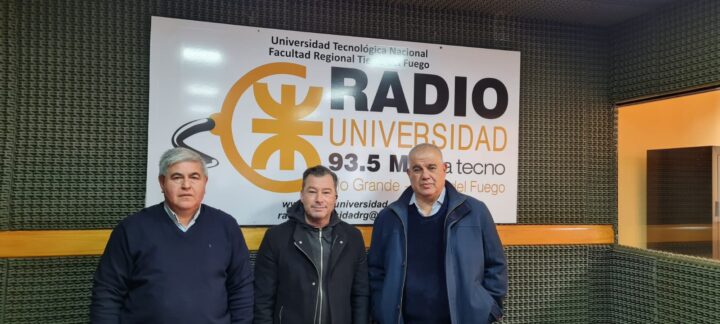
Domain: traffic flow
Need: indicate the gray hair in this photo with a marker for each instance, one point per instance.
(177, 155)
(422, 147)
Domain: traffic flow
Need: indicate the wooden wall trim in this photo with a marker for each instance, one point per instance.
(677, 233)
(20, 244)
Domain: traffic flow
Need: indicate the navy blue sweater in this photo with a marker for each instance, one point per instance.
(152, 272)
(426, 297)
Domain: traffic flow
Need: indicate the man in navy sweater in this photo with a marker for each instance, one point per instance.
(175, 262)
(435, 255)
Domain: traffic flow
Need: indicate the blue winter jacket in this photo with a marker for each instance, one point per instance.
(475, 264)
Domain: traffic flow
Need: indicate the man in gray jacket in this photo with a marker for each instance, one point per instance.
(312, 268)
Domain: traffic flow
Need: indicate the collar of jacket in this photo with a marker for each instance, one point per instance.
(456, 206)
(296, 214)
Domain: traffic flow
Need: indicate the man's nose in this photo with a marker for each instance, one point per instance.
(186, 183)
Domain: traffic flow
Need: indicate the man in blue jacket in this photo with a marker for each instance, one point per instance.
(179, 261)
(435, 255)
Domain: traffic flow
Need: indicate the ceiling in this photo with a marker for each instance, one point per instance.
(601, 13)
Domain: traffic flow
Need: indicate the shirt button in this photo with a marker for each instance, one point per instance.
(341, 242)
(313, 283)
(300, 242)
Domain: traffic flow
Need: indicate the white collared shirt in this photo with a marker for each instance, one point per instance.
(435, 207)
(175, 219)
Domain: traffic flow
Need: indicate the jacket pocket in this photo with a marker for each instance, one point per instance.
(496, 312)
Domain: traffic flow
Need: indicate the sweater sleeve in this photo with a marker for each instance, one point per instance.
(240, 280)
(110, 284)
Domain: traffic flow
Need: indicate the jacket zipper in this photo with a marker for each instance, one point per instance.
(445, 228)
(446, 233)
(316, 269)
(402, 288)
(320, 287)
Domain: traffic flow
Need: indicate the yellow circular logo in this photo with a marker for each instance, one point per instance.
(286, 126)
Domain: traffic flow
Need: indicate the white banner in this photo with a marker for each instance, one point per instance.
(264, 104)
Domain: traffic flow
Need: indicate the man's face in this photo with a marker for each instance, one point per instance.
(184, 186)
(318, 197)
(427, 174)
